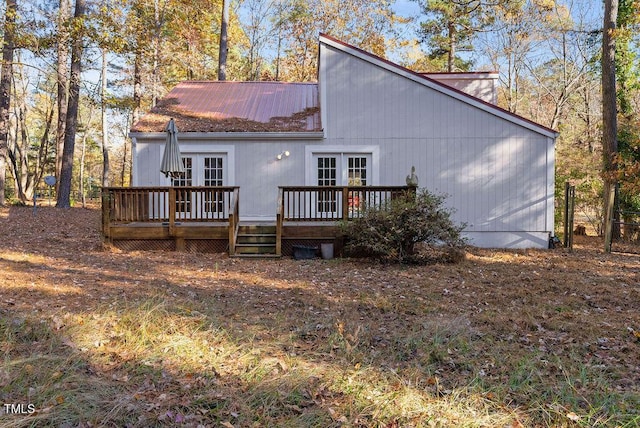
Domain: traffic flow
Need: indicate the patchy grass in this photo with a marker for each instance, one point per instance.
(505, 338)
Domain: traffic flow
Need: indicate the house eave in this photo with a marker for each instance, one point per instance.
(253, 136)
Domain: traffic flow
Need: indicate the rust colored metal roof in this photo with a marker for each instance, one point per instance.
(214, 106)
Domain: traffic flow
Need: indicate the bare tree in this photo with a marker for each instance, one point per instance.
(258, 33)
(28, 159)
(105, 125)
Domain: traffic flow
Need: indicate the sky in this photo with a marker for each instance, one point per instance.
(406, 7)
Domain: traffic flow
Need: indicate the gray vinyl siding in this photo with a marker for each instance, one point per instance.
(256, 169)
(495, 172)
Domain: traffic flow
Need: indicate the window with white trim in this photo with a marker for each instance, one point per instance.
(183, 198)
(341, 169)
(327, 176)
(214, 176)
(201, 170)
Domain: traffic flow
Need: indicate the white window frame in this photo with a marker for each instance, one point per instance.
(206, 150)
(340, 150)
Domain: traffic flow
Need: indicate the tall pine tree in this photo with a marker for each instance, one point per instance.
(71, 124)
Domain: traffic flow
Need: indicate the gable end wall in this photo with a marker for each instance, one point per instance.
(497, 174)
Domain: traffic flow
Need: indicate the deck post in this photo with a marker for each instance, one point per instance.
(279, 221)
(345, 203)
(232, 234)
(106, 213)
(172, 211)
(234, 219)
(181, 245)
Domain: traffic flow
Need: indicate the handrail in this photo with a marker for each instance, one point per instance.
(170, 205)
(388, 188)
(333, 203)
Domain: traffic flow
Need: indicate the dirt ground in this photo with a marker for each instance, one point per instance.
(582, 305)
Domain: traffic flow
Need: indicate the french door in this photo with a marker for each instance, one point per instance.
(208, 170)
(341, 169)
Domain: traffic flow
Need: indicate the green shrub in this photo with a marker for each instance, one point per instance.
(392, 231)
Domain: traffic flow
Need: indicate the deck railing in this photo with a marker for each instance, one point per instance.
(168, 204)
(172, 206)
(332, 203)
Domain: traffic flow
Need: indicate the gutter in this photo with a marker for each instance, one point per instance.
(232, 135)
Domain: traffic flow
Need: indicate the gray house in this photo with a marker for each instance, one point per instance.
(363, 125)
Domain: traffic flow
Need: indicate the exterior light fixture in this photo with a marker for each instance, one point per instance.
(283, 154)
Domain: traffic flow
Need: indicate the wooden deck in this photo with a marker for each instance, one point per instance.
(206, 219)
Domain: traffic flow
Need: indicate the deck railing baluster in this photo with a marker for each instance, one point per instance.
(154, 204)
(333, 203)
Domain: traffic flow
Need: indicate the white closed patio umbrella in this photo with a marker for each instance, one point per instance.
(171, 165)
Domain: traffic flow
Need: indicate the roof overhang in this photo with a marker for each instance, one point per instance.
(433, 84)
(472, 75)
(252, 136)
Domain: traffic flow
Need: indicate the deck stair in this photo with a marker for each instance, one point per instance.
(256, 241)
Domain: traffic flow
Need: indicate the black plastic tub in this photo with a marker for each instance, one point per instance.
(302, 252)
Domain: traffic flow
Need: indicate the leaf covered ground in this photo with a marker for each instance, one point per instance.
(92, 336)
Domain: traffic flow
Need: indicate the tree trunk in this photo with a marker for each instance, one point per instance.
(137, 86)
(62, 82)
(156, 54)
(83, 155)
(222, 58)
(105, 125)
(71, 124)
(451, 57)
(21, 148)
(280, 36)
(5, 90)
(278, 52)
(124, 164)
(609, 108)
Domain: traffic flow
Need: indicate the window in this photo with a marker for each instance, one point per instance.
(213, 171)
(213, 176)
(341, 169)
(357, 171)
(327, 176)
(201, 170)
(183, 196)
(185, 179)
(356, 176)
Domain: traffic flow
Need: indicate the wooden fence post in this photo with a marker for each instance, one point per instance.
(571, 209)
(565, 234)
